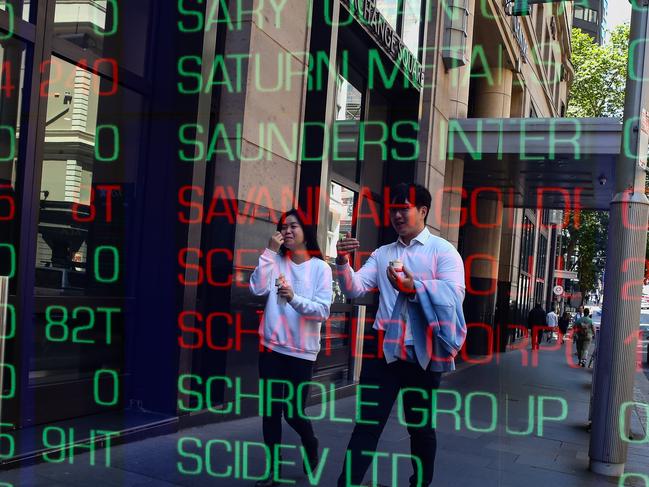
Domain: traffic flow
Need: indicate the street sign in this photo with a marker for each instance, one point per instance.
(558, 290)
(561, 274)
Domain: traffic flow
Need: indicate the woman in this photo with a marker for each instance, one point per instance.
(564, 322)
(297, 281)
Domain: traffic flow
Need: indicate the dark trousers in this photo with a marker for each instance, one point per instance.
(536, 336)
(582, 348)
(277, 366)
(390, 379)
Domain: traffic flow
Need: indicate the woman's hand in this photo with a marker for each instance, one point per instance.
(286, 291)
(275, 242)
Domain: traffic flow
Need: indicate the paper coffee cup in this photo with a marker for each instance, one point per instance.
(278, 284)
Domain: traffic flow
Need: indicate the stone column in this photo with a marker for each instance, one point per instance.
(482, 235)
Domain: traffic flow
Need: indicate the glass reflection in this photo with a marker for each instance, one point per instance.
(349, 104)
(82, 195)
(341, 211)
(111, 28)
(412, 25)
(12, 59)
(20, 8)
(389, 10)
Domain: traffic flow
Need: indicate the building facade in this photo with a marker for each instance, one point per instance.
(150, 147)
(590, 17)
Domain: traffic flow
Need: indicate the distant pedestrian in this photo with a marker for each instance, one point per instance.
(564, 323)
(584, 333)
(579, 314)
(552, 320)
(536, 322)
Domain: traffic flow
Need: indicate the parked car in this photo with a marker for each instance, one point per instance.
(644, 302)
(596, 315)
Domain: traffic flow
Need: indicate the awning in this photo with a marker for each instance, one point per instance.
(554, 162)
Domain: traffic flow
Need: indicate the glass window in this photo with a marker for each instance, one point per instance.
(335, 334)
(412, 25)
(18, 8)
(12, 67)
(349, 106)
(341, 211)
(389, 9)
(542, 257)
(586, 14)
(89, 168)
(110, 28)
(98, 344)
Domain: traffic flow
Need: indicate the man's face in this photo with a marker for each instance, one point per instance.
(407, 219)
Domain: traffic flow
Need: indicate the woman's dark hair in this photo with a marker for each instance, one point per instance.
(310, 240)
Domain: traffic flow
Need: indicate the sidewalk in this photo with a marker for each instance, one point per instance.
(555, 453)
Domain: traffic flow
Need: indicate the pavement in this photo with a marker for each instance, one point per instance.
(494, 441)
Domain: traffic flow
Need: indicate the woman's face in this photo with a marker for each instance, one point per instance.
(293, 234)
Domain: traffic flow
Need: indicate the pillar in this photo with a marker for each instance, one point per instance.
(482, 235)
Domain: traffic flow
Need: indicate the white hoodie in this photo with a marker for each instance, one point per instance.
(293, 328)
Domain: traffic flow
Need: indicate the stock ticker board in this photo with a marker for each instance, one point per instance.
(322, 243)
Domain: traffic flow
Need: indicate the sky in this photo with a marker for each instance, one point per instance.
(619, 11)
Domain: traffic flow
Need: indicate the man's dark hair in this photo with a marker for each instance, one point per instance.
(586, 312)
(310, 239)
(414, 193)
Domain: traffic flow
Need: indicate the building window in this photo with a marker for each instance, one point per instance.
(12, 54)
(20, 9)
(78, 187)
(542, 257)
(586, 14)
(527, 245)
(349, 114)
(389, 9)
(525, 266)
(406, 18)
(341, 211)
(412, 18)
(100, 28)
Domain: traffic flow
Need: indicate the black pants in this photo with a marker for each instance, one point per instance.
(390, 379)
(277, 366)
(582, 348)
(536, 336)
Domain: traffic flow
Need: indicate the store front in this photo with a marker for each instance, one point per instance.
(375, 116)
(105, 311)
(76, 112)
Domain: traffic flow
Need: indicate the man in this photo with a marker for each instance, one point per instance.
(552, 321)
(585, 331)
(429, 265)
(536, 322)
(579, 314)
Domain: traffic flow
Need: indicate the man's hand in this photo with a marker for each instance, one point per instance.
(344, 247)
(275, 242)
(403, 282)
(286, 291)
